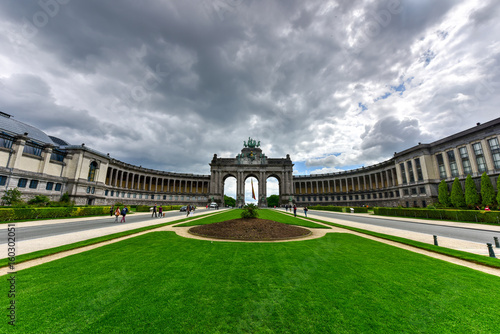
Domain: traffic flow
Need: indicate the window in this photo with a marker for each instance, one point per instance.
(403, 173)
(478, 152)
(410, 171)
(34, 149)
(338, 198)
(106, 192)
(422, 190)
(3, 180)
(420, 176)
(92, 168)
(112, 193)
(33, 184)
(88, 190)
(6, 140)
(164, 197)
(135, 195)
(413, 191)
(405, 192)
(128, 195)
(368, 196)
(374, 196)
(453, 163)
(58, 186)
(49, 186)
(495, 152)
(22, 183)
(465, 160)
(442, 170)
(57, 155)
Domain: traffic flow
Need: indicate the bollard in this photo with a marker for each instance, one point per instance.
(435, 240)
(490, 250)
(497, 244)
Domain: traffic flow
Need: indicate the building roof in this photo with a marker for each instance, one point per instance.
(14, 127)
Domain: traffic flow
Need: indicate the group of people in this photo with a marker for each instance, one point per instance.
(294, 208)
(190, 209)
(157, 212)
(117, 212)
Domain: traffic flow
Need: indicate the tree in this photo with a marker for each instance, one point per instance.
(457, 194)
(273, 200)
(487, 191)
(12, 196)
(229, 201)
(471, 195)
(498, 191)
(65, 198)
(443, 194)
(250, 211)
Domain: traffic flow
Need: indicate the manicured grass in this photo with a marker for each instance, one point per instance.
(341, 283)
(38, 254)
(263, 214)
(479, 259)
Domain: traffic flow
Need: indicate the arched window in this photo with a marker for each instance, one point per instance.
(92, 169)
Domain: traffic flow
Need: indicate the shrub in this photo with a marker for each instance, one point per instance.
(362, 209)
(250, 211)
(65, 198)
(40, 200)
(454, 215)
(457, 195)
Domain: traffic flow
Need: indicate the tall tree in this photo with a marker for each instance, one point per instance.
(487, 191)
(498, 191)
(273, 200)
(457, 194)
(443, 194)
(471, 195)
(229, 201)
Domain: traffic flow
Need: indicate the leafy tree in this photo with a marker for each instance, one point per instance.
(457, 194)
(443, 194)
(250, 211)
(12, 197)
(229, 201)
(41, 200)
(273, 200)
(498, 191)
(65, 198)
(487, 191)
(471, 195)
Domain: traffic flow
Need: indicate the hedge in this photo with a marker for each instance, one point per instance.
(9, 214)
(492, 217)
(339, 208)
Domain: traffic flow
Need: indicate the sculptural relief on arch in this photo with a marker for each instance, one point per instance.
(251, 162)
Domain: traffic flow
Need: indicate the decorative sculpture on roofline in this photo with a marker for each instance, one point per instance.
(251, 143)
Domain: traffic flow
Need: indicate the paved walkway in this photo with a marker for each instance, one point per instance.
(316, 233)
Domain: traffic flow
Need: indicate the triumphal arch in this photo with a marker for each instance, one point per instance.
(251, 162)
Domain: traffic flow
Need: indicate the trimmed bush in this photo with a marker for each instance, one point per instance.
(471, 195)
(457, 194)
(443, 194)
(474, 216)
(250, 211)
(487, 191)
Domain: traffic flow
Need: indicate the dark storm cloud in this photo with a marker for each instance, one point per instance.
(166, 84)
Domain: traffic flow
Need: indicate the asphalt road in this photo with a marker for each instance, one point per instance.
(76, 225)
(480, 234)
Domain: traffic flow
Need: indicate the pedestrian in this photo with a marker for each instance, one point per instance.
(154, 212)
(305, 210)
(207, 207)
(192, 210)
(111, 210)
(124, 213)
(160, 211)
(295, 210)
(487, 208)
(188, 210)
(117, 214)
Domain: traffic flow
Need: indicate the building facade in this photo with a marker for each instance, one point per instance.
(38, 164)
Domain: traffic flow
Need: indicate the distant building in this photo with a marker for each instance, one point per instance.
(38, 164)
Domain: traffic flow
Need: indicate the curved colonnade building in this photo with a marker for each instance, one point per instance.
(38, 164)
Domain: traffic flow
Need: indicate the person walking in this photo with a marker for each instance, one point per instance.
(154, 212)
(295, 210)
(124, 213)
(305, 210)
(160, 212)
(188, 210)
(117, 214)
(111, 210)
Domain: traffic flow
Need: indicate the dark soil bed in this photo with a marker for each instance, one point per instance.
(250, 229)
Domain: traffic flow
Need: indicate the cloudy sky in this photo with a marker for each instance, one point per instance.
(167, 84)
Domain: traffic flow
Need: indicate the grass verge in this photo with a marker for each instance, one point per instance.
(479, 259)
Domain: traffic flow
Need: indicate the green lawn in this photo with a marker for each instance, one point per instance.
(263, 214)
(341, 283)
